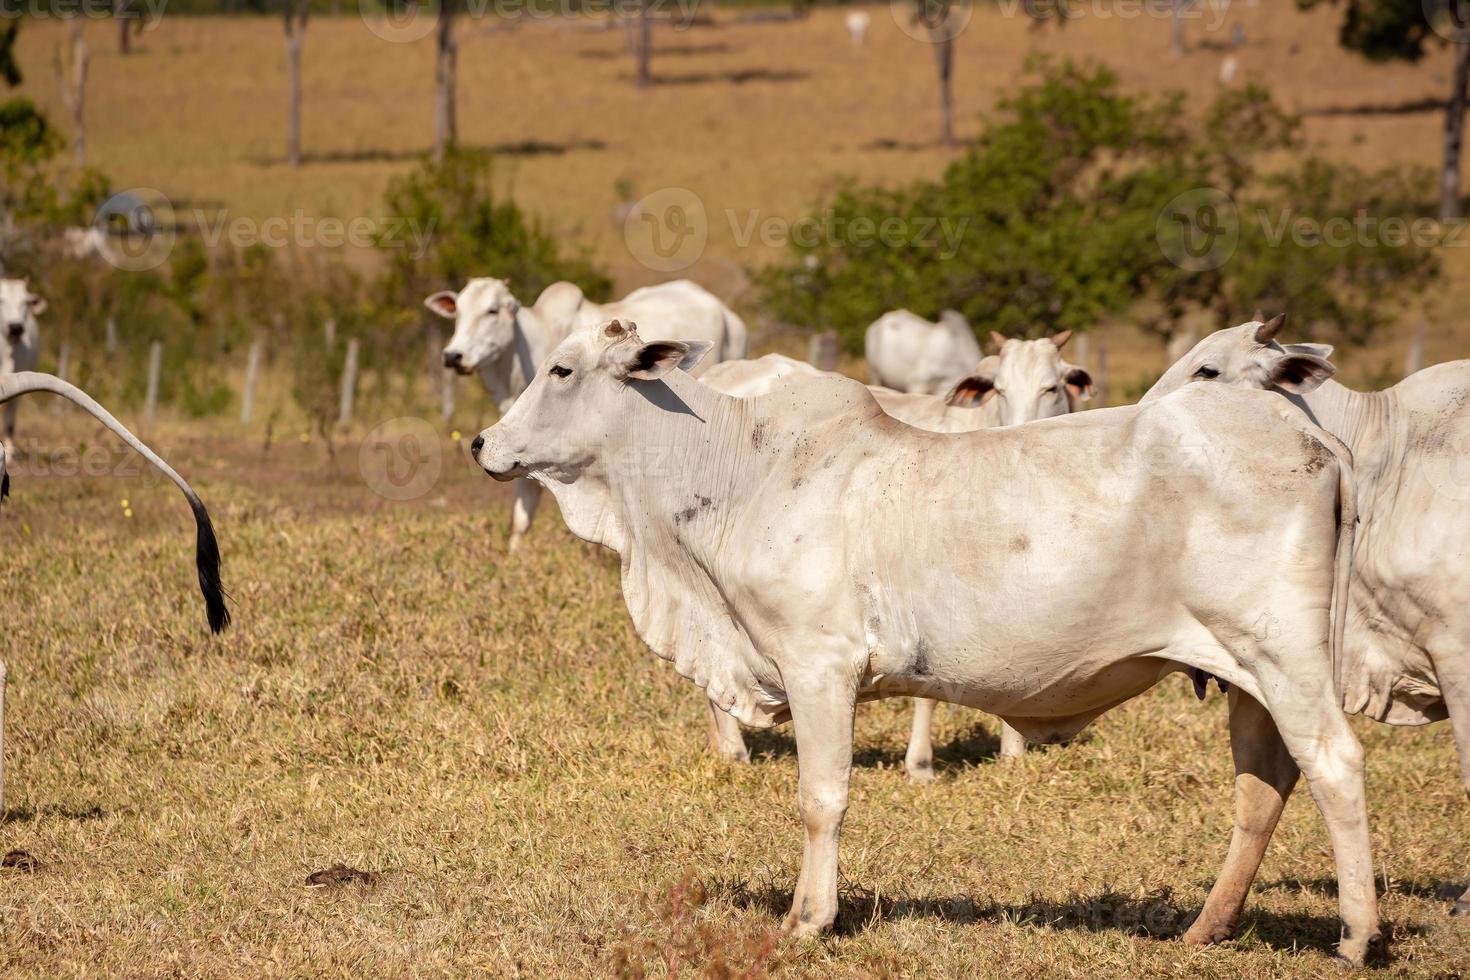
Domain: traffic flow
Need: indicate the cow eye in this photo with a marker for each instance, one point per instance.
(1050, 391)
(561, 372)
(1208, 373)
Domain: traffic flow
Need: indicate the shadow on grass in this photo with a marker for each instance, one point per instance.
(1443, 891)
(977, 745)
(738, 76)
(522, 148)
(30, 814)
(1411, 107)
(1157, 916)
(673, 50)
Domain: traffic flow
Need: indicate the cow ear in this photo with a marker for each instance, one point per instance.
(1323, 351)
(648, 362)
(37, 304)
(970, 391)
(1078, 382)
(443, 303)
(1299, 373)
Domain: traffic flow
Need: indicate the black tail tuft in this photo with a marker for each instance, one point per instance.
(206, 556)
(4, 485)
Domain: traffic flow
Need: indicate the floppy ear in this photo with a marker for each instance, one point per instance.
(443, 303)
(37, 304)
(1078, 382)
(1323, 351)
(653, 360)
(998, 339)
(1299, 373)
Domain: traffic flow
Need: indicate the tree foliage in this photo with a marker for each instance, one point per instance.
(1064, 205)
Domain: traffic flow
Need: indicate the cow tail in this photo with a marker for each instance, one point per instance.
(206, 550)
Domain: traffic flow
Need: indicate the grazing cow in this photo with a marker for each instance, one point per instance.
(20, 345)
(1407, 648)
(505, 342)
(797, 553)
(1026, 381)
(908, 353)
(206, 548)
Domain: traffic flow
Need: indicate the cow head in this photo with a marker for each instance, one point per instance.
(484, 315)
(1249, 356)
(590, 383)
(19, 308)
(1026, 381)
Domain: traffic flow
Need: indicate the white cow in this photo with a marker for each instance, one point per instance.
(908, 353)
(1407, 649)
(1026, 381)
(505, 342)
(20, 344)
(206, 548)
(796, 553)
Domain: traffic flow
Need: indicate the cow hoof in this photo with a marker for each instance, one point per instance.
(797, 929)
(742, 757)
(1208, 934)
(919, 770)
(1356, 954)
(515, 544)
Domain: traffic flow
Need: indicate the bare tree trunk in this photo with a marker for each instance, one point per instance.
(1176, 28)
(944, 56)
(123, 16)
(446, 123)
(71, 72)
(295, 21)
(1454, 125)
(645, 43)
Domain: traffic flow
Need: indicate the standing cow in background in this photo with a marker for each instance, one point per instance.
(1407, 648)
(908, 353)
(506, 342)
(1026, 381)
(803, 552)
(20, 344)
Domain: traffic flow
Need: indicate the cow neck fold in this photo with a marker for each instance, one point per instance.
(1364, 421)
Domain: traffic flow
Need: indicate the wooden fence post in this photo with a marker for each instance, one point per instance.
(252, 375)
(1100, 379)
(110, 344)
(63, 371)
(823, 350)
(329, 334)
(1414, 359)
(349, 384)
(155, 368)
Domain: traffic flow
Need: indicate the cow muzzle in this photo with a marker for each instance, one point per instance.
(455, 361)
(500, 466)
(15, 330)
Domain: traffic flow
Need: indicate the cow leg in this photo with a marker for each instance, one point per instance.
(9, 441)
(1454, 680)
(822, 714)
(1264, 777)
(1316, 733)
(918, 762)
(725, 736)
(1012, 742)
(527, 495)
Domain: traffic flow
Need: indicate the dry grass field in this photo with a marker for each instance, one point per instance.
(529, 789)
